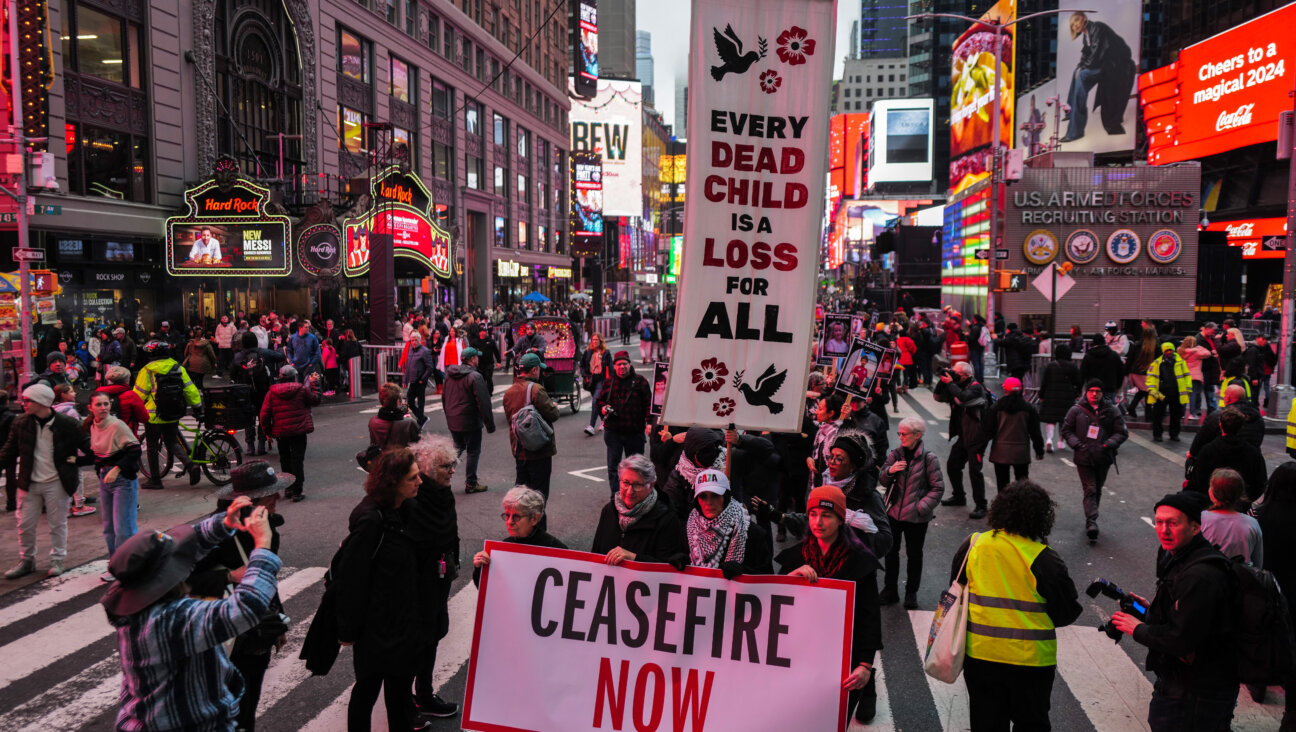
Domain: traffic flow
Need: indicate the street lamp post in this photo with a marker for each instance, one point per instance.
(998, 29)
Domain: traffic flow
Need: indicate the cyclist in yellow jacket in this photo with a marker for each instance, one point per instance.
(1019, 593)
(167, 390)
(1169, 384)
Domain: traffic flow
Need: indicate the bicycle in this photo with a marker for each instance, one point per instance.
(215, 449)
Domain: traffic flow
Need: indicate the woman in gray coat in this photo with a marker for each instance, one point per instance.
(913, 484)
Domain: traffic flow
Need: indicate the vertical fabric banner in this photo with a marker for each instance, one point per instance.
(760, 72)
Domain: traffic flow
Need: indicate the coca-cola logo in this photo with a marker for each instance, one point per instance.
(1233, 120)
(324, 250)
(1241, 230)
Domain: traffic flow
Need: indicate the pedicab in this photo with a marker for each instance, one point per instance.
(561, 379)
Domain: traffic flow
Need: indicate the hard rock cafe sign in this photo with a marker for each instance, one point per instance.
(400, 212)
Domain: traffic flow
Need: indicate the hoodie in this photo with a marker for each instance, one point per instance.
(1102, 363)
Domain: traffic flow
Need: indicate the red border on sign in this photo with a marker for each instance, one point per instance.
(750, 579)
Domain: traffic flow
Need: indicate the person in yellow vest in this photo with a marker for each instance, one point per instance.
(1234, 374)
(1291, 431)
(1169, 384)
(1019, 592)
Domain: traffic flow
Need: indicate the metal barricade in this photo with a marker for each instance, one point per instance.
(353, 376)
(380, 368)
(369, 354)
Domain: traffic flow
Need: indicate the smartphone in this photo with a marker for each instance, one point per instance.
(245, 512)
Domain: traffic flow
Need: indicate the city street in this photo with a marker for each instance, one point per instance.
(61, 668)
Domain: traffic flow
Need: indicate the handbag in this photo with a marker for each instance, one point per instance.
(947, 639)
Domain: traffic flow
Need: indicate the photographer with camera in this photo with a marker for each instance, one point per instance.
(968, 403)
(1190, 648)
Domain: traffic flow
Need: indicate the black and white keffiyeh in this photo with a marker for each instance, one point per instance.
(721, 539)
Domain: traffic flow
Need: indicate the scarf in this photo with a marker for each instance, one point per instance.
(626, 516)
(689, 471)
(824, 565)
(721, 539)
(596, 364)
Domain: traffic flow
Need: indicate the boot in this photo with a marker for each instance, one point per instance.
(251, 451)
(890, 596)
(261, 447)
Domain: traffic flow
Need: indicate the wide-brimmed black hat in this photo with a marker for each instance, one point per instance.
(255, 480)
(147, 566)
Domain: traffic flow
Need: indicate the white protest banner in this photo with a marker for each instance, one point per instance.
(760, 72)
(565, 642)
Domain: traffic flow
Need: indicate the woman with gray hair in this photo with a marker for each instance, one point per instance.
(913, 484)
(638, 524)
(523, 509)
(432, 523)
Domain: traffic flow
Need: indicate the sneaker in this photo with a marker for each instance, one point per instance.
(911, 601)
(1092, 533)
(435, 706)
(589, 431)
(56, 568)
(21, 569)
(82, 510)
(479, 488)
(298, 497)
(954, 501)
(107, 577)
(1156, 439)
(1048, 447)
(978, 513)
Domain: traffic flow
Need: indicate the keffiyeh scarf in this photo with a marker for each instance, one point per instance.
(721, 539)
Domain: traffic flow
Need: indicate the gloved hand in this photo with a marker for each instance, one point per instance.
(678, 561)
(763, 511)
(731, 569)
(198, 413)
(861, 520)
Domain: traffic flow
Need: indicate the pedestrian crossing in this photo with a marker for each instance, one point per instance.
(61, 668)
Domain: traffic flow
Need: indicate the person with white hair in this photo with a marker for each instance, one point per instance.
(913, 485)
(638, 524)
(968, 401)
(523, 508)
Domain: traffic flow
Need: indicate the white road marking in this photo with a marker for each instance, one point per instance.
(1068, 463)
(932, 421)
(1110, 687)
(55, 591)
(596, 479)
(944, 435)
(1146, 520)
(370, 411)
(950, 699)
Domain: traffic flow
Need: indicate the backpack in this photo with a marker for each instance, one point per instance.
(114, 405)
(254, 372)
(169, 395)
(1265, 646)
(532, 431)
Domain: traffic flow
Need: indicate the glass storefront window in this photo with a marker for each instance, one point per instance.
(401, 86)
(351, 129)
(353, 56)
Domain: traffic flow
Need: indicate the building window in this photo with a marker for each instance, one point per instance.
(472, 117)
(524, 142)
(434, 32)
(442, 99)
(351, 135)
(107, 164)
(442, 161)
(403, 81)
(468, 56)
(522, 235)
(392, 14)
(501, 182)
(473, 170)
(501, 130)
(522, 189)
(354, 56)
(411, 17)
(401, 136)
(102, 46)
(448, 43)
(501, 232)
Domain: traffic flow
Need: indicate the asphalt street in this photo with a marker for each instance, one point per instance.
(62, 670)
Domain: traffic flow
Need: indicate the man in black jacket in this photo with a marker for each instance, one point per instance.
(624, 403)
(1260, 359)
(1102, 363)
(967, 400)
(1093, 429)
(467, 406)
(1252, 430)
(1230, 450)
(1014, 426)
(1190, 648)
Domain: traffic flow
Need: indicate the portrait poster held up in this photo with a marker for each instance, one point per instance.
(865, 366)
(744, 324)
(591, 646)
(835, 341)
(661, 371)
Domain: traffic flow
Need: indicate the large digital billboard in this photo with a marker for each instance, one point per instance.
(400, 215)
(227, 232)
(900, 141)
(974, 77)
(586, 204)
(1223, 93)
(611, 124)
(585, 49)
(1097, 62)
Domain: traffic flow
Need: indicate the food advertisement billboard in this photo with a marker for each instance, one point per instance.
(974, 77)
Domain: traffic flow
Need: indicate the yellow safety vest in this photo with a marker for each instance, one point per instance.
(1229, 380)
(1291, 428)
(1183, 378)
(1007, 622)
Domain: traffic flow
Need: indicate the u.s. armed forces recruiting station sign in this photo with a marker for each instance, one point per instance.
(566, 643)
(758, 132)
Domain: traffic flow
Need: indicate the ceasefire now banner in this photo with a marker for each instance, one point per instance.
(565, 642)
(759, 74)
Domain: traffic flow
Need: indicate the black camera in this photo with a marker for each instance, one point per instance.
(1127, 602)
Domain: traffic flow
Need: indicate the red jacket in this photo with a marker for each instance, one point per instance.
(286, 410)
(133, 411)
(907, 350)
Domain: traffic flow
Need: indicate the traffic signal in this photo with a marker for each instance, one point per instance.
(43, 282)
(1009, 280)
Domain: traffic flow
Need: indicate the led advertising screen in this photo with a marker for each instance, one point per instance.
(400, 214)
(585, 62)
(611, 124)
(974, 76)
(227, 232)
(1097, 63)
(1223, 93)
(586, 204)
(900, 148)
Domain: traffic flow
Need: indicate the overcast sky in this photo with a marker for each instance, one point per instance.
(668, 22)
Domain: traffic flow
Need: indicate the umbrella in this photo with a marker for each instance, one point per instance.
(535, 297)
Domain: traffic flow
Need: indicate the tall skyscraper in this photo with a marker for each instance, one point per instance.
(681, 109)
(617, 39)
(644, 64)
(883, 30)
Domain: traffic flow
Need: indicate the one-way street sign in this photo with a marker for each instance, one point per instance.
(28, 255)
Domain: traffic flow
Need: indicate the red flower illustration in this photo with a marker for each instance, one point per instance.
(711, 376)
(793, 46)
(724, 407)
(770, 81)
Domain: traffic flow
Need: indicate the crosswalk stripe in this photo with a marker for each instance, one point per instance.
(286, 671)
(1111, 689)
(950, 699)
(95, 690)
(48, 645)
(52, 592)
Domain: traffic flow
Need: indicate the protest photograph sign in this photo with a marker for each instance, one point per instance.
(660, 371)
(861, 371)
(760, 73)
(836, 335)
(591, 646)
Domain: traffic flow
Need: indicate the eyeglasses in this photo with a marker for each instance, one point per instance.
(448, 466)
(633, 484)
(837, 458)
(905, 433)
(514, 517)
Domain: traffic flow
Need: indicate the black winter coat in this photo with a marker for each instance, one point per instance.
(656, 537)
(1229, 451)
(1252, 431)
(967, 411)
(1016, 426)
(866, 639)
(466, 401)
(1111, 432)
(432, 524)
(1102, 363)
(1059, 389)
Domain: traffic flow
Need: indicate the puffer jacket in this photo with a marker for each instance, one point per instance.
(1111, 432)
(200, 357)
(912, 494)
(1016, 426)
(133, 411)
(286, 410)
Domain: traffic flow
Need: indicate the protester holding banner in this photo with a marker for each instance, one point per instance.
(637, 524)
(433, 525)
(828, 413)
(721, 534)
(378, 608)
(831, 552)
(523, 509)
(1012, 642)
(702, 450)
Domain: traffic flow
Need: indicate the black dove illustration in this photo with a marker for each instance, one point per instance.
(766, 387)
(730, 48)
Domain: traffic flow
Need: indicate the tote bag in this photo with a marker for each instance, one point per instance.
(947, 639)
